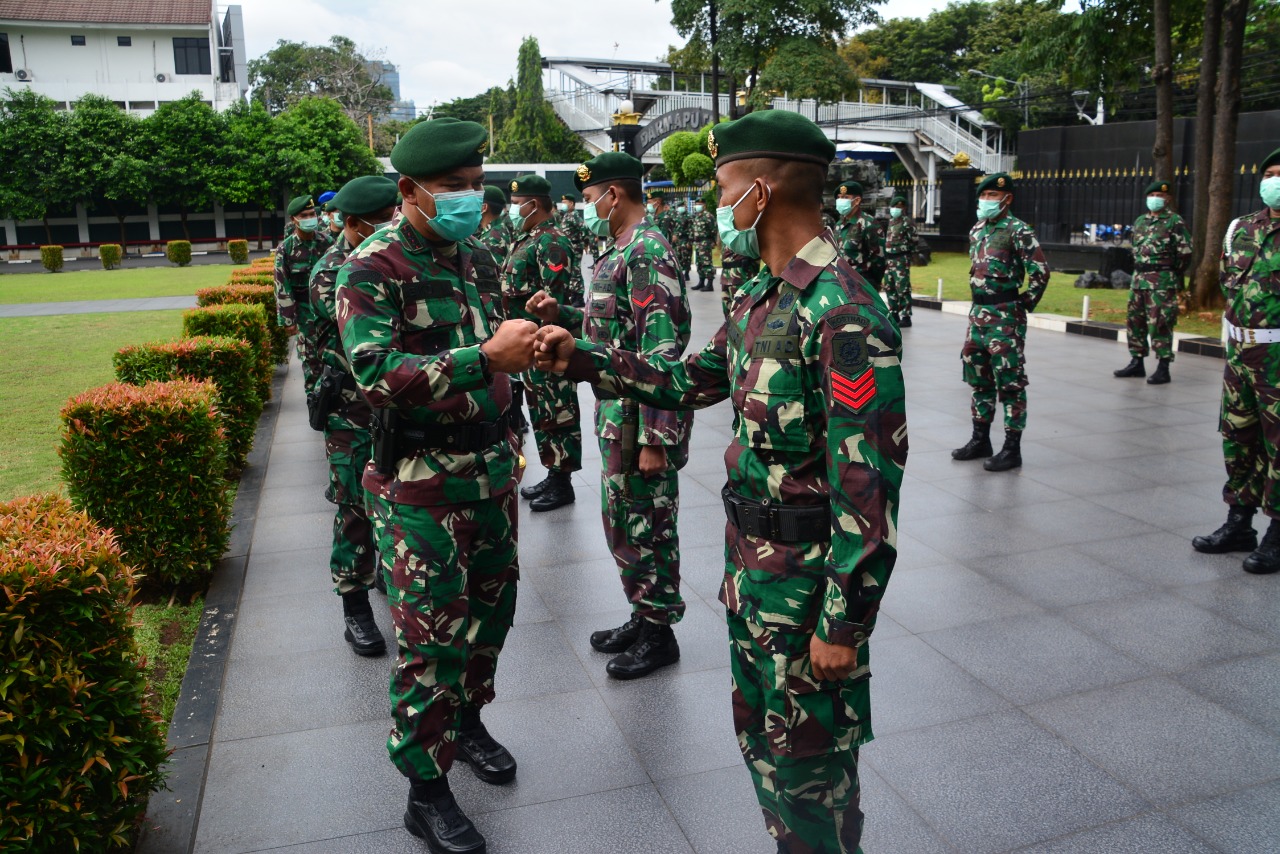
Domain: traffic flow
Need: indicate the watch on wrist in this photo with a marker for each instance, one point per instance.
(484, 366)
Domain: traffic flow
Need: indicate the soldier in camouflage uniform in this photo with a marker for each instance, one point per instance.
(542, 258)
(441, 484)
(811, 360)
(1161, 254)
(737, 271)
(682, 243)
(366, 206)
(703, 237)
(858, 235)
(899, 246)
(495, 228)
(1250, 419)
(571, 226)
(663, 216)
(295, 258)
(638, 304)
(1002, 251)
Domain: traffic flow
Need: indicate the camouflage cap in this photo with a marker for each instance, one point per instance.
(366, 195)
(775, 134)
(531, 185)
(1158, 187)
(299, 204)
(610, 166)
(849, 188)
(494, 195)
(1273, 159)
(999, 181)
(436, 146)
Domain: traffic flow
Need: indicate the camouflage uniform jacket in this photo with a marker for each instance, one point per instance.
(488, 269)
(812, 362)
(572, 227)
(412, 322)
(1001, 253)
(295, 258)
(1161, 251)
(540, 259)
(496, 237)
(666, 223)
(900, 236)
(702, 227)
(637, 302)
(325, 337)
(682, 224)
(1251, 271)
(862, 244)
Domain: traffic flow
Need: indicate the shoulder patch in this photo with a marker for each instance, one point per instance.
(853, 392)
(362, 276)
(849, 352)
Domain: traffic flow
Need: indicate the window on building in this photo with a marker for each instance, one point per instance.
(124, 41)
(6, 61)
(191, 56)
(77, 41)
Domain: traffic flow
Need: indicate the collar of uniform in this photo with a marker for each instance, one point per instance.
(814, 257)
(414, 241)
(629, 236)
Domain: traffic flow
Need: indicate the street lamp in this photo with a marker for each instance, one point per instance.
(1024, 92)
(1080, 96)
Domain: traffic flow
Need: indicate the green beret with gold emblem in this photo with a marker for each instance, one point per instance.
(366, 195)
(850, 188)
(775, 134)
(1158, 187)
(300, 204)
(999, 181)
(610, 166)
(436, 146)
(531, 185)
(569, 197)
(898, 200)
(655, 196)
(1273, 159)
(494, 196)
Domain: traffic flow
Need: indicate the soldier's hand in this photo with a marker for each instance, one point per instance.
(555, 346)
(830, 661)
(653, 460)
(544, 307)
(511, 347)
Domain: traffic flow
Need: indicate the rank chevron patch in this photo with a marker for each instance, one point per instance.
(644, 303)
(854, 393)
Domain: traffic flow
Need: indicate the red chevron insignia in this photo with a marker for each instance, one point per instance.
(555, 268)
(644, 303)
(855, 393)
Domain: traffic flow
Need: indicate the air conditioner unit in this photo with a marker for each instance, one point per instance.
(24, 74)
(160, 78)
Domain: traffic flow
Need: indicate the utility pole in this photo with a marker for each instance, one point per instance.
(715, 65)
(369, 116)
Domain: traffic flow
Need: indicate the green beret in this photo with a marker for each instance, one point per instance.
(531, 185)
(436, 146)
(850, 188)
(1158, 187)
(610, 166)
(776, 134)
(655, 196)
(366, 195)
(898, 200)
(329, 205)
(300, 204)
(1272, 159)
(999, 181)
(494, 196)
(568, 197)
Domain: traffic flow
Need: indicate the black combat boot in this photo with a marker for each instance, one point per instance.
(904, 322)
(1237, 535)
(557, 493)
(435, 817)
(619, 639)
(491, 762)
(362, 632)
(1160, 375)
(1010, 456)
(1266, 559)
(536, 489)
(655, 647)
(1137, 367)
(978, 446)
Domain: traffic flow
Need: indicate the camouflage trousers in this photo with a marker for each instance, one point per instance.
(308, 354)
(706, 267)
(1155, 309)
(451, 585)
(992, 359)
(556, 418)
(897, 285)
(1250, 426)
(353, 557)
(799, 738)
(641, 532)
(684, 254)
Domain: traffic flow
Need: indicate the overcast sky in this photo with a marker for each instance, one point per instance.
(468, 48)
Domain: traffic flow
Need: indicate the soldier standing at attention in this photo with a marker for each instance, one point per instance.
(366, 205)
(1002, 250)
(571, 226)
(1161, 254)
(495, 228)
(899, 245)
(662, 217)
(858, 235)
(441, 483)
(682, 242)
(1250, 422)
(702, 231)
(811, 360)
(542, 258)
(738, 270)
(637, 304)
(295, 258)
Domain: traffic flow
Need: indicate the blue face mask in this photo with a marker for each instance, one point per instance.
(744, 241)
(1270, 191)
(517, 218)
(592, 220)
(1155, 204)
(843, 206)
(457, 214)
(988, 208)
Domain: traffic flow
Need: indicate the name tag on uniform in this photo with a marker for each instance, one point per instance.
(776, 347)
(428, 289)
(604, 286)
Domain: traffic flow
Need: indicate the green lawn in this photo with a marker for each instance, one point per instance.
(47, 360)
(125, 283)
(1061, 298)
(164, 634)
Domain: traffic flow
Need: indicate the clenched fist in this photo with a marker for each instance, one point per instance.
(555, 346)
(510, 350)
(544, 307)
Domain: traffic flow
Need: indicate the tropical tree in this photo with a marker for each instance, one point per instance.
(292, 71)
(247, 177)
(318, 147)
(105, 158)
(33, 142)
(534, 133)
(187, 144)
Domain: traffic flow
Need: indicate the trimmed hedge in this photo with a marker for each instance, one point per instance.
(267, 262)
(239, 251)
(51, 258)
(251, 276)
(246, 322)
(110, 255)
(148, 462)
(179, 252)
(251, 294)
(229, 363)
(81, 749)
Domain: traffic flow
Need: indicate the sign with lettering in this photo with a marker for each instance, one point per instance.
(686, 118)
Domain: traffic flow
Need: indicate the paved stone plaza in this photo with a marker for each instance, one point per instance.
(1055, 669)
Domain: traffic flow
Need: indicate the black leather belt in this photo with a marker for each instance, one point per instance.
(777, 522)
(300, 293)
(1152, 268)
(470, 438)
(994, 299)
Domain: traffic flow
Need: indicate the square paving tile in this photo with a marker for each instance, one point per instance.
(913, 686)
(938, 597)
(1141, 835)
(1242, 822)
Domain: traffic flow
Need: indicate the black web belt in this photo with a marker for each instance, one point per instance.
(469, 438)
(994, 299)
(1152, 268)
(777, 522)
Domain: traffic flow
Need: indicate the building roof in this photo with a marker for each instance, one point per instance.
(109, 11)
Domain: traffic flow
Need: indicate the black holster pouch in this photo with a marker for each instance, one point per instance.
(327, 395)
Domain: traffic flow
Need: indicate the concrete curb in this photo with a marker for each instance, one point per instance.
(173, 814)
